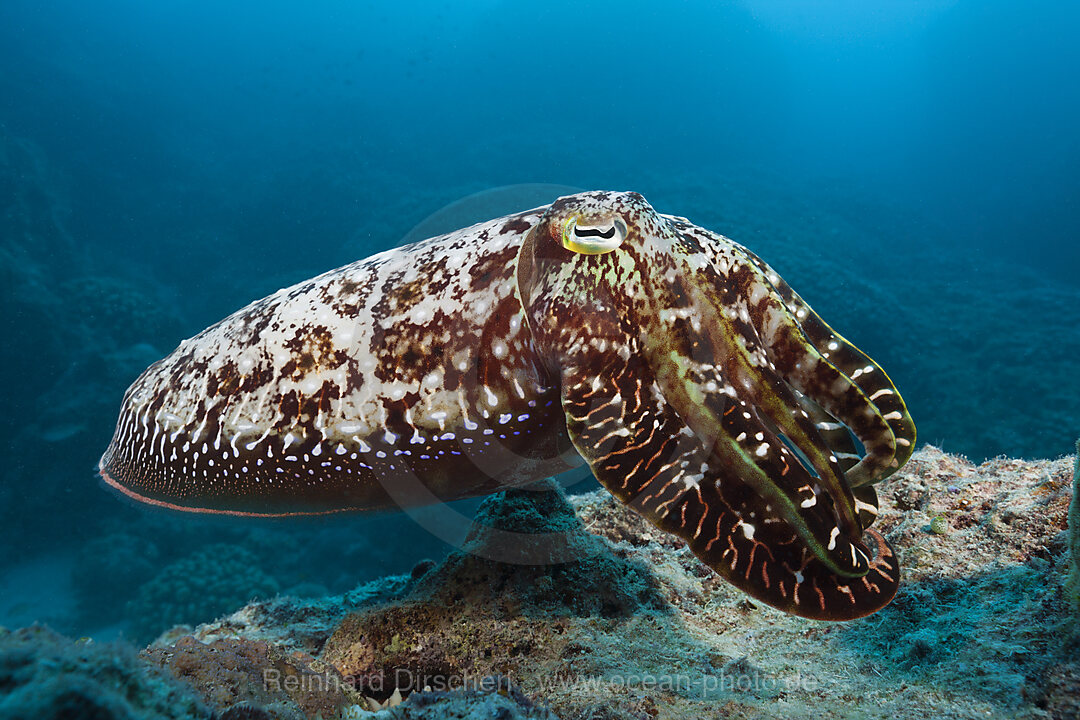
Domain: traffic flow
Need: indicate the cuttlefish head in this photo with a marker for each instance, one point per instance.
(577, 271)
(708, 396)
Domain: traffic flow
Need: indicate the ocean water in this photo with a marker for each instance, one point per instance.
(909, 166)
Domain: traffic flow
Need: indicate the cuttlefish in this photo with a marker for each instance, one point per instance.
(701, 390)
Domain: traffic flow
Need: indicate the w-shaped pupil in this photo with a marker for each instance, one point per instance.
(595, 232)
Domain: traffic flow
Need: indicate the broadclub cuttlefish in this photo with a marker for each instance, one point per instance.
(701, 390)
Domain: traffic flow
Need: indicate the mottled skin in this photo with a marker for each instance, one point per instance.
(401, 379)
(673, 360)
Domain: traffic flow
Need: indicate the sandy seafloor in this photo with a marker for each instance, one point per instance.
(635, 628)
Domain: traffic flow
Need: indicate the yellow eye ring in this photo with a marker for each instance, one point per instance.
(593, 239)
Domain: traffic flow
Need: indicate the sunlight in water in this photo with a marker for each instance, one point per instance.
(832, 19)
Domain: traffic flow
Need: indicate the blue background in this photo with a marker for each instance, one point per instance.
(909, 166)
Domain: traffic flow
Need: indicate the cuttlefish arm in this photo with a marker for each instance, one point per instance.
(642, 452)
(820, 363)
(665, 349)
(877, 396)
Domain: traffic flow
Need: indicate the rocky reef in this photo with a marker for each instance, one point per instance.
(207, 583)
(575, 608)
(1072, 584)
(601, 616)
(44, 676)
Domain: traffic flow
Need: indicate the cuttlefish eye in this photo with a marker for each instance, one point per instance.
(593, 238)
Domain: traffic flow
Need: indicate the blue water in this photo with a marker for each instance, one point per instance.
(910, 167)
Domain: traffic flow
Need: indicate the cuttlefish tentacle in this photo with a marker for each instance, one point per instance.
(720, 302)
(886, 455)
(835, 433)
(806, 367)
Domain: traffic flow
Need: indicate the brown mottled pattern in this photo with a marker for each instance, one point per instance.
(702, 391)
(366, 387)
